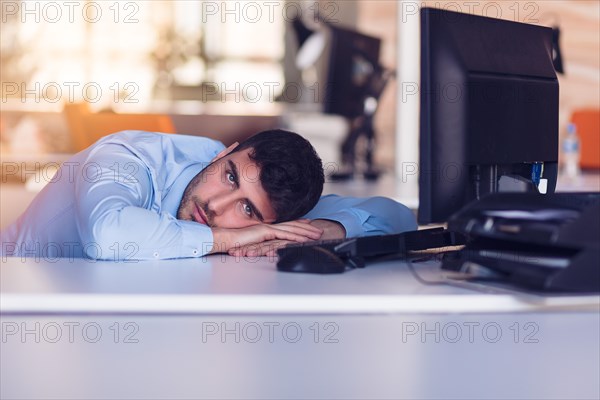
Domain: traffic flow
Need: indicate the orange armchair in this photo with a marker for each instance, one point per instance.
(87, 127)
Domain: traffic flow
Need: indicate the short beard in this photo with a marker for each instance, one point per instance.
(187, 194)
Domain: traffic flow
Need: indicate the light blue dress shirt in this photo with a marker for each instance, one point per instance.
(117, 200)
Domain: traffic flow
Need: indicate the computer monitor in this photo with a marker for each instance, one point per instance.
(353, 60)
(489, 110)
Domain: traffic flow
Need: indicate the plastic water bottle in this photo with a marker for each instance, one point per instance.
(571, 153)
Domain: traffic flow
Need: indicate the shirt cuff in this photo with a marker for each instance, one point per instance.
(197, 239)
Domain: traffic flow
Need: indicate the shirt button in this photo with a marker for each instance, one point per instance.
(156, 254)
(195, 252)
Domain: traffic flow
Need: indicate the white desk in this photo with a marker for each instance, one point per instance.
(221, 284)
(222, 329)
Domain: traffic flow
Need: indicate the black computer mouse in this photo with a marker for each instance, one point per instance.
(312, 260)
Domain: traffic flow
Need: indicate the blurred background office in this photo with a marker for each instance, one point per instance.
(73, 71)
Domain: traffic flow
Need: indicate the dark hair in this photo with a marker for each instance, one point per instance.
(291, 172)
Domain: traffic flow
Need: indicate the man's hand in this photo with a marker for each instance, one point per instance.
(330, 229)
(226, 240)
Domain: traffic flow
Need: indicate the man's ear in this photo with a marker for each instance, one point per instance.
(226, 151)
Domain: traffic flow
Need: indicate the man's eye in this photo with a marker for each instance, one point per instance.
(247, 210)
(230, 177)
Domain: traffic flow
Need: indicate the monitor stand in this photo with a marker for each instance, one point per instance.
(362, 126)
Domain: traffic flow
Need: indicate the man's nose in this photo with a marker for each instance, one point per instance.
(220, 203)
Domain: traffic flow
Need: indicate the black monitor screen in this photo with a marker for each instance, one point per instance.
(489, 110)
(352, 59)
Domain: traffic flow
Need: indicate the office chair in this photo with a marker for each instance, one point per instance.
(587, 122)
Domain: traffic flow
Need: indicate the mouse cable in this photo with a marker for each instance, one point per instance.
(411, 268)
(454, 281)
(469, 282)
(422, 280)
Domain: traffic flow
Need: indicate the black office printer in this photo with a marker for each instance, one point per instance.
(541, 242)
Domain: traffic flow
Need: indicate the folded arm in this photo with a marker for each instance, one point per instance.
(115, 217)
(341, 217)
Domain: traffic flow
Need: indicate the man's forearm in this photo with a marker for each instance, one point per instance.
(327, 230)
(298, 231)
(331, 229)
(364, 216)
(221, 240)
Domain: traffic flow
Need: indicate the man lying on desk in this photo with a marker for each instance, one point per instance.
(143, 195)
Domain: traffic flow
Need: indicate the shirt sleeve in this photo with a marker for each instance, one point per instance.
(365, 216)
(115, 216)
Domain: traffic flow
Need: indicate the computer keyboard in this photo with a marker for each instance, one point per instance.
(370, 246)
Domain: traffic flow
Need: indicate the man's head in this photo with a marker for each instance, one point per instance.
(274, 176)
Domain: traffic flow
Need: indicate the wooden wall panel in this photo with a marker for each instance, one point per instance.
(378, 18)
(580, 42)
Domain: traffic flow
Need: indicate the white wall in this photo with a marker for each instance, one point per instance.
(407, 125)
